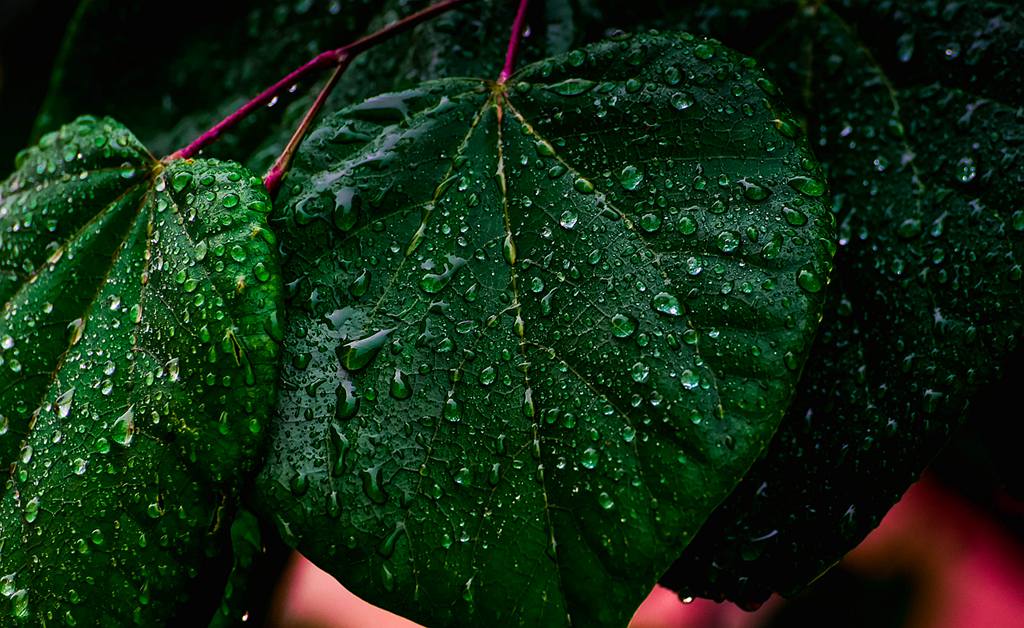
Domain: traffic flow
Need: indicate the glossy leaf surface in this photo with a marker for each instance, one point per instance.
(538, 332)
(917, 118)
(138, 365)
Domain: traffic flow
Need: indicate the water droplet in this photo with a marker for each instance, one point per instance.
(809, 280)
(346, 401)
(681, 100)
(754, 191)
(401, 386)
(181, 180)
(1017, 219)
(261, 272)
(807, 186)
(589, 458)
(123, 429)
(64, 403)
(794, 217)
(487, 376)
(728, 241)
(667, 304)
(688, 379)
(572, 87)
(568, 219)
(703, 51)
(32, 510)
(687, 225)
(640, 372)
(910, 228)
(631, 177)
(650, 222)
(584, 186)
(623, 326)
(452, 412)
(19, 604)
(358, 354)
(966, 170)
(432, 283)
(372, 486)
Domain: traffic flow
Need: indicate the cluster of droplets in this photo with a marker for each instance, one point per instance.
(150, 300)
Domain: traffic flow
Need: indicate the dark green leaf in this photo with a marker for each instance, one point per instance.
(918, 119)
(138, 353)
(536, 335)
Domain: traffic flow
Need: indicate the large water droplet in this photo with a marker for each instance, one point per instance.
(358, 354)
(623, 326)
(631, 177)
(123, 429)
(64, 403)
(809, 280)
(667, 304)
(401, 386)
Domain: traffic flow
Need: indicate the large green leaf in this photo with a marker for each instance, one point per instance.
(918, 119)
(138, 356)
(536, 335)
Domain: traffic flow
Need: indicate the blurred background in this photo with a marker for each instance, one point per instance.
(949, 555)
(937, 561)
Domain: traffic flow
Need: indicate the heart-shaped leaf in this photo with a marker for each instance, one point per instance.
(917, 113)
(138, 353)
(538, 331)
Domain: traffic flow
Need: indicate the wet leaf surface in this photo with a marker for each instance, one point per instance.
(138, 364)
(537, 334)
(917, 118)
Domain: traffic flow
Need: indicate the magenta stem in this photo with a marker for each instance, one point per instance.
(272, 180)
(330, 58)
(323, 60)
(513, 42)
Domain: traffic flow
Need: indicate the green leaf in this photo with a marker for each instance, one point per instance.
(537, 334)
(138, 348)
(918, 120)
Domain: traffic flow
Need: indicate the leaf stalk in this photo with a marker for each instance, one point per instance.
(513, 42)
(339, 58)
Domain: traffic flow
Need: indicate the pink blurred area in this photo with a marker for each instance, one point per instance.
(967, 572)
